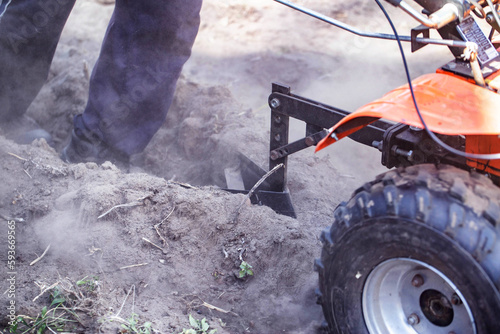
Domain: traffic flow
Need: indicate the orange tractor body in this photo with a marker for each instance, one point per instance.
(449, 105)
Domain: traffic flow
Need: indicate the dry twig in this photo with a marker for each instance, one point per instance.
(16, 156)
(45, 290)
(207, 305)
(132, 288)
(168, 216)
(24, 170)
(163, 241)
(156, 227)
(182, 184)
(41, 256)
(126, 205)
(139, 202)
(134, 265)
(242, 250)
(155, 245)
(250, 193)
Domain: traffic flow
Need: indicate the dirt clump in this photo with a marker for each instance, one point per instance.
(176, 246)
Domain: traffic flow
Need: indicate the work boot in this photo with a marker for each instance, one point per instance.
(81, 149)
(24, 130)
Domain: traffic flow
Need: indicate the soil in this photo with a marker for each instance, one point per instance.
(162, 240)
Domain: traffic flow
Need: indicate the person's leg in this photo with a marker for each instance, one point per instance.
(29, 32)
(133, 82)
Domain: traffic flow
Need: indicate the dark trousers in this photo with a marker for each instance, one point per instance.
(132, 85)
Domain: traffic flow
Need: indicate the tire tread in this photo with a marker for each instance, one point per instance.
(462, 206)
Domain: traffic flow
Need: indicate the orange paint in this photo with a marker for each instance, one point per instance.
(483, 144)
(449, 105)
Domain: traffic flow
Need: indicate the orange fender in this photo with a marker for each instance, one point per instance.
(449, 106)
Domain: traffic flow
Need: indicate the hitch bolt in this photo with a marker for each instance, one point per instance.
(455, 299)
(378, 145)
(398, 151)
(405, 153)
(309, 141)
(275, 103)
(416, 128)
(417, 281)
(413, 319)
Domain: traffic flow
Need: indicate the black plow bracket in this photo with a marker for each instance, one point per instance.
(318, 117)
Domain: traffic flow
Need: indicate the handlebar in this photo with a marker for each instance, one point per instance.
(341, 25)
(446, 14)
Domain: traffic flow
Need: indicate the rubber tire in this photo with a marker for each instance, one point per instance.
(445, 217)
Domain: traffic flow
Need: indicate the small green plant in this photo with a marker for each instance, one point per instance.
(198, 327)
(88, 283)
(60, 315)
(48, 319)
(57, 297)
(245, 269)
(133, 326)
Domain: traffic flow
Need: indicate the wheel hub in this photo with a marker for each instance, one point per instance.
(436, 308)
(408, 296)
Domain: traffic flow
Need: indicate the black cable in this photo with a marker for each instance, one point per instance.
(493, 156)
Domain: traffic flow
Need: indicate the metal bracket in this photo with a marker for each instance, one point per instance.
(415, 32)
(389, 158)
(404, 145)
(280, 124)
(298, 145)
(317, 117)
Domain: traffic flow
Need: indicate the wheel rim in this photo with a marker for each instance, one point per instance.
(408, 296)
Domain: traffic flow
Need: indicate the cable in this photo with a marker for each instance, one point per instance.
(494, 156)
(3, 7)
(477, 7)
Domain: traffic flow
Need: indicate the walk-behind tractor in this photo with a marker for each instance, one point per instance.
(417, 250)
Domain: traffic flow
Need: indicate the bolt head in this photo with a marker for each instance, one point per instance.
(275, 103)
(417, 281)
(455, 299)
(309, 141)
(413, 319)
